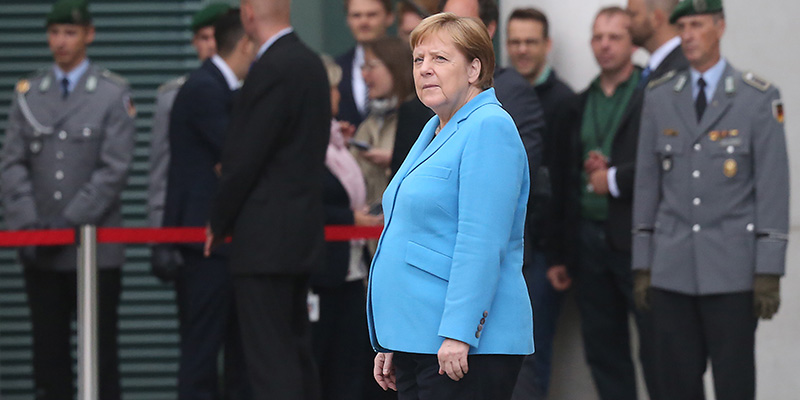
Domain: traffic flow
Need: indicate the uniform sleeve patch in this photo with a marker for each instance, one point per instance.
(777, 110)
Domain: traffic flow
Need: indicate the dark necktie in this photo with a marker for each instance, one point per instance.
(64, 88)
(700, 102)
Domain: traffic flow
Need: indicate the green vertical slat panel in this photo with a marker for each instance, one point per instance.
(147, 42)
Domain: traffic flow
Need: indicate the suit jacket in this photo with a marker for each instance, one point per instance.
(711, 206)
(623, 156)
(347, 105)
(159, 151)
(270, 194)
(197, 124)
(68, 158)
(449, 261)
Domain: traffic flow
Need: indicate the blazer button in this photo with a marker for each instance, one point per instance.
(483, 321)
(480, 328)
(477, 335)
(485, 314)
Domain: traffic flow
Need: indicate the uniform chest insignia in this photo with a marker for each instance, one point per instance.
(729, 168)
(91, 84)
(730, 85)
(45, 84)
(670, 132)
(777, 110)
(734, 132)
(680, 84)
(713, 135)
(23, 86)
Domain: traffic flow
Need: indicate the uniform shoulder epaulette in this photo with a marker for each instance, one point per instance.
(172, 84)
(118, 79)
(664, 78)
(24, 84)
(756, 81)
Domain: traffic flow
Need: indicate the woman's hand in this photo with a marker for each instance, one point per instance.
(379, 157)
(453, 359)
(361, 218)
(384, 371)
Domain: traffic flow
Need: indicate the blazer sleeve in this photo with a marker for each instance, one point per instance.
(108, 180)
(15, 183)
(771, 187)
(647, 192)
(492, 177)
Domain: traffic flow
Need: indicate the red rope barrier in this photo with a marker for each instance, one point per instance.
(60, 237)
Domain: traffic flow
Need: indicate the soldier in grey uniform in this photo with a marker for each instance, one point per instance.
(711, 212)
(64, 163)
(164, 261)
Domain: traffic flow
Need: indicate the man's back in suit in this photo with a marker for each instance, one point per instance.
(270, 200)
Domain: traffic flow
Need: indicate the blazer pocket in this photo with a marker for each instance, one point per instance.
(430, 261)
(434, 171)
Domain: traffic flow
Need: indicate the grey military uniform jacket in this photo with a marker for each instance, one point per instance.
(159, 150)
(711, 199)
(68, 157)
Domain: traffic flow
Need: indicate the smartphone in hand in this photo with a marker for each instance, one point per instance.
(359, 144)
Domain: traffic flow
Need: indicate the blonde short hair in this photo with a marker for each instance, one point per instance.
(470, 37)
(333, 70)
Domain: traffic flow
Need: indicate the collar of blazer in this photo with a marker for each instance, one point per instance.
(422, 150)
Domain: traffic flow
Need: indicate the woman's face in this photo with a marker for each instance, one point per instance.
(442, 75)
(377, 77)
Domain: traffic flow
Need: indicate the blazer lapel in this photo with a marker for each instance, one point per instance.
(720, 103)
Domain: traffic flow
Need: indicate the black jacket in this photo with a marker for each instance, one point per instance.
(566, 214)
(199, 117)
(347, 104)
(270, 192)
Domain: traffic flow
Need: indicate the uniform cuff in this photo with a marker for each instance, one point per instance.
(612, 182)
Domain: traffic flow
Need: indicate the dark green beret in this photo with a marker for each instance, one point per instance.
(70, 12)
(695, 7)
(208, 15)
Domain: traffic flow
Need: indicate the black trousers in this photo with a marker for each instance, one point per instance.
(490, 377)
(276, 336)
(208, 324)
(691, 329)
(604, 294)
(52, 298)
(340, 341)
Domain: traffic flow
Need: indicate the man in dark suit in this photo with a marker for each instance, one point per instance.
(367, 20)
(198, 120)
(269, 199)
(515, 94)
(609, 287)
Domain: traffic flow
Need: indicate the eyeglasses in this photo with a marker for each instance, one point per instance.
(370, 65)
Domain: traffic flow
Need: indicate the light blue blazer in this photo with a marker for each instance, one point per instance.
(449, 261)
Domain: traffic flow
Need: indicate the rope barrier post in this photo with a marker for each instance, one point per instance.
(87, 314)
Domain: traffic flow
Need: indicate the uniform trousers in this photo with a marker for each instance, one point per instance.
(534, 376)
(276, 336)
(604, 294)
(52, 298)
(691, 329)
(208, 324)
(490, 377)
